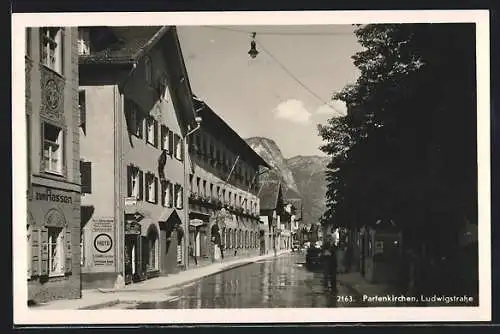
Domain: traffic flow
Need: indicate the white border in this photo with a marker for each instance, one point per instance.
(23, 315)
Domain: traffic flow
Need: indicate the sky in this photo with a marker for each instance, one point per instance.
(285, 91)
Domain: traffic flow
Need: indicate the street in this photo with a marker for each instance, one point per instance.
(274, 283)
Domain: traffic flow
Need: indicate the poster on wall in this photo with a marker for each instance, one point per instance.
(103, 255)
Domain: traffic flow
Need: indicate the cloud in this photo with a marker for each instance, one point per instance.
(333, 108)
(292, 110)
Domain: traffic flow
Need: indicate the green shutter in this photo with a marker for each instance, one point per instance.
(44, 251)
(67, 253)
(35, 251)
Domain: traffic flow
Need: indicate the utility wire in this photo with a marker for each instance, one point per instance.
(282, 33)
(297, 79)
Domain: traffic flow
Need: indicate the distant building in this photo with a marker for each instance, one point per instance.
(223, 202)
(52, 118)
(136, 106)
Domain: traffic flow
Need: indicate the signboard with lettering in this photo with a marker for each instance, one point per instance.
(103, 255)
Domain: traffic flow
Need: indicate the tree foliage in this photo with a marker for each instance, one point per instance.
(406, 150)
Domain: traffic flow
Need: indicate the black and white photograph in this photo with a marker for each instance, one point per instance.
(280, 167)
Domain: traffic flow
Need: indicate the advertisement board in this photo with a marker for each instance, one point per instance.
(103, 244)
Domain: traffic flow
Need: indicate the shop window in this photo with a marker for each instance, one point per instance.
(152, 131)
(51, 48)
(151, 188)
(135, 182)
(135, 119)
(178, 196)
(178, 147)
(56, 251)
(53, 147)
(167, 194)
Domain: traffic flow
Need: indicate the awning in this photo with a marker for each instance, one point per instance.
(167, 212)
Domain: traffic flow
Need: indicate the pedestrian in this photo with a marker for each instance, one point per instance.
(330, 263)
(221, 246)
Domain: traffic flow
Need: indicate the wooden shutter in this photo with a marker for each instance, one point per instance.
(155, 139)
(35, 251)
(141, 185)
(155, 180)
(181, 191)
(86, 176)
(67, 253)
(129, 180)
(44, 251)
(182, 149)
(172, 194)
(170, 142)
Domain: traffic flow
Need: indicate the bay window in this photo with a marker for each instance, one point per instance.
(51, 51)
(53, 148)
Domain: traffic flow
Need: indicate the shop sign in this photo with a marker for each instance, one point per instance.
(132, 228)
(102, 242)
(51, 195)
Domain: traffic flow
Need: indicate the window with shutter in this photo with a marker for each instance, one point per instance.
(156, 190)
(155, 139)
(170, 194)
(44, 252)
(68, 253)
(35, 251)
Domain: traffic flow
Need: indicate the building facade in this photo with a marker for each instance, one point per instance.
(137, 105)
(52, 118)
(272, 209)
(223, 185)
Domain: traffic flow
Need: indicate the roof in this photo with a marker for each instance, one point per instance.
(268, 195)
(218, 128)
(120, 44)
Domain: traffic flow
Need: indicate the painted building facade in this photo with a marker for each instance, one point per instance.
(52, 119)
(272, 209)
(137, 102)
(223, 185)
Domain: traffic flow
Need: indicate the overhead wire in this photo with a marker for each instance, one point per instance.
(263, 33)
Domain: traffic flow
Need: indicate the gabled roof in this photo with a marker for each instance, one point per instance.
(269, 194)
(120, 44)
(218, 128)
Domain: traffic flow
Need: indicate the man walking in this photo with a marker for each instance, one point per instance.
(330, 264)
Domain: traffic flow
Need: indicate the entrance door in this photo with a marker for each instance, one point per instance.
(132, 257)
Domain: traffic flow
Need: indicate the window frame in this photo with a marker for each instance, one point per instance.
(167, 202)
(61, 148)
(179, 196)
(151, 183)
(52, 45)
(62, 256)
(151, 125)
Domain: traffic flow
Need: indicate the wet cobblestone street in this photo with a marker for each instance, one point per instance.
(274, 283)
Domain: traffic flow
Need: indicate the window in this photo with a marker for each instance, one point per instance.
(86, 176)
(51, 48)
(178, 196)
(167, 198)
(223, 195)
(191, 176)
(198, 189)
(135, 119)
(56, 251)
(151, 187)
(164, 144)
(152, 131)
(148, 69)
(135, 183)
(204, 190)
(178, 147)
(230, 198)
(218, 192)
(83, 42)
(211, 190)
(82, 99)
(52, 148)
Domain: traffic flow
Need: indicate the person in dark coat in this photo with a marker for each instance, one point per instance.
(330, 264)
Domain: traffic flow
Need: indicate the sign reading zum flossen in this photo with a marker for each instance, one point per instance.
(103, 254)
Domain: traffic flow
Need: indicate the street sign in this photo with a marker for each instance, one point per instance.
(130, 201)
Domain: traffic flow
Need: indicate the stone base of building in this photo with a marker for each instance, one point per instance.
(45, 290)
(99, 280)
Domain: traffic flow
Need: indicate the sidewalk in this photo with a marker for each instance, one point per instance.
(149, 290)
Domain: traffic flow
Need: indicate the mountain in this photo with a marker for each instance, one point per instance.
(302, 176)
(271, 153)
(309, 175)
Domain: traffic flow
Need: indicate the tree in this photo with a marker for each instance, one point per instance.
(407, 148)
